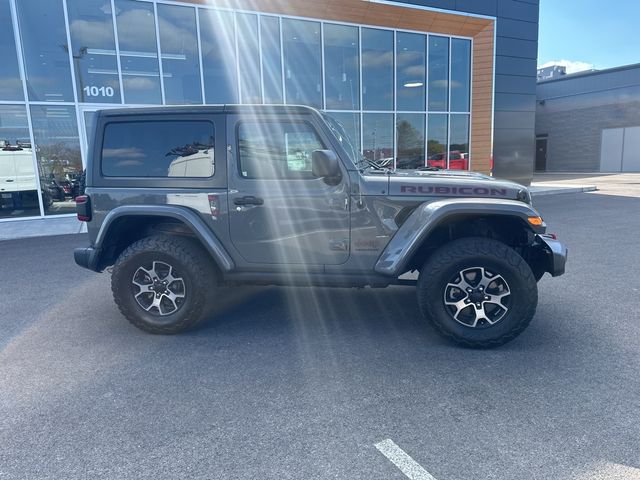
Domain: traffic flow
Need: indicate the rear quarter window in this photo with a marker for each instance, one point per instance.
(164, 149)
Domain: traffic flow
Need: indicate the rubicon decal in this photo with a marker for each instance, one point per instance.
(460, 191)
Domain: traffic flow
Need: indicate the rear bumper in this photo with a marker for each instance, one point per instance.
(554, 252)
(86, 257)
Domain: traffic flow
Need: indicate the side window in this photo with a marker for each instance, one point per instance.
(158, 149)
(277, 149)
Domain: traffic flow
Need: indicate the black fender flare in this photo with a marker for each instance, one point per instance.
(424, 219)
(182, 214)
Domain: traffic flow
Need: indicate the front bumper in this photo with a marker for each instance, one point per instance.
(86, 257)
(553, 252)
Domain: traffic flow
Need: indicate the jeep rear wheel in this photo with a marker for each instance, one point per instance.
(477, 292)
(161, 283)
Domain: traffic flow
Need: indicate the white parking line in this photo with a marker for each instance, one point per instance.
(403, 461)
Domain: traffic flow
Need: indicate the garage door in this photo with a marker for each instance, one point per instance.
(631, 150)
(620, 150)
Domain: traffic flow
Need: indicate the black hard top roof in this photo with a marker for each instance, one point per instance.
(287, 109)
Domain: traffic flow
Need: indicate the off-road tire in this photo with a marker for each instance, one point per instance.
(465, 253)
(184, 255)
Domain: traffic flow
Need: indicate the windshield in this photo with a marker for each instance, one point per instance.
(359, 160)
(347, 143)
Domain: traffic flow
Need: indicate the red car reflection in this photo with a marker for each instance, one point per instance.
(457, 160)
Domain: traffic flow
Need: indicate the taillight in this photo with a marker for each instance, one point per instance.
(83, 208)
(214, 206)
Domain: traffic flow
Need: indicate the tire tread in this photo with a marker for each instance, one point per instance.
(467, 247)
(188, 253)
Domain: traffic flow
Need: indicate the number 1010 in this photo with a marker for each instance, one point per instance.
(93, 91)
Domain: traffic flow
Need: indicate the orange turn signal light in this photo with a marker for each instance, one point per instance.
(535, 221)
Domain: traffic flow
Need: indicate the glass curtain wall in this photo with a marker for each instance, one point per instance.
(10, 83)
(271, 59)
(377, 69)
(404, 97)
(136, 25)
(179, 54)
(249, 58)
(302, 62)
(45, 51)
(217, 37)
(93, 51)
(57, 148)
(18, 181)
(342, 67)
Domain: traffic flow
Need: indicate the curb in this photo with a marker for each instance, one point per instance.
(557, 190)
(41, 227)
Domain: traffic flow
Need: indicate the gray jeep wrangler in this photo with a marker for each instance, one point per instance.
(182, 201)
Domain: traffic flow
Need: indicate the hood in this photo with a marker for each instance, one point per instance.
(450, 183)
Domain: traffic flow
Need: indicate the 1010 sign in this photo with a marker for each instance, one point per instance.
(93, 91)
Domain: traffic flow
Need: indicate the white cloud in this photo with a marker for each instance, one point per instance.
(140, 83)
(572, 67)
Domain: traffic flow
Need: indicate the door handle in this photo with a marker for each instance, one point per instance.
(249, 200)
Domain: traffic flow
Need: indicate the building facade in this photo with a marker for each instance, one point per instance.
(445, 83)
(589, 121)
(553, 71)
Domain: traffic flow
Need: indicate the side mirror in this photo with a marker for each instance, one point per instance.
(324, 163)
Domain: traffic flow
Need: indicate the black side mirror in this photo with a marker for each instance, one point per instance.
(324, 163)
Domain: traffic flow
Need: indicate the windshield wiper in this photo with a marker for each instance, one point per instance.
(370, 163)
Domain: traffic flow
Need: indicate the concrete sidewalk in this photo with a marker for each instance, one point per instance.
(546, 184)
(41, 227)
(618, 184)
(554, 188)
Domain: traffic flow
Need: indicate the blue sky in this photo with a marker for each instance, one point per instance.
(587, 34)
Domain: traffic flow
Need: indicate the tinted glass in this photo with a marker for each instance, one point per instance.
(248, 58)
(438, 74)
(410, 67)
(377, 137)
(10, 84)
(460, 74)
(277, 150)
(94, 51)
(179, 54)
(45, 50)
(437, 141)
(341, 60)
(350, 123)
(459, 150)
(158, 149)
(303, 71)
(271, 61)
(218, 56)
(410, 138)
(138, 52)
(18, 187)
(55, 132)
(377, 69)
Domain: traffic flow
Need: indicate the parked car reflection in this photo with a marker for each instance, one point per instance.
(457, 160)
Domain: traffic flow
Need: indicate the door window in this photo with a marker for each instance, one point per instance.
(273, 150)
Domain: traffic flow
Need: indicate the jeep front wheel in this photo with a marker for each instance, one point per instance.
(160, 284)
(477, 292)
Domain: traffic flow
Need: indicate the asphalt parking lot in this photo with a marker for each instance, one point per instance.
(302, 384)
